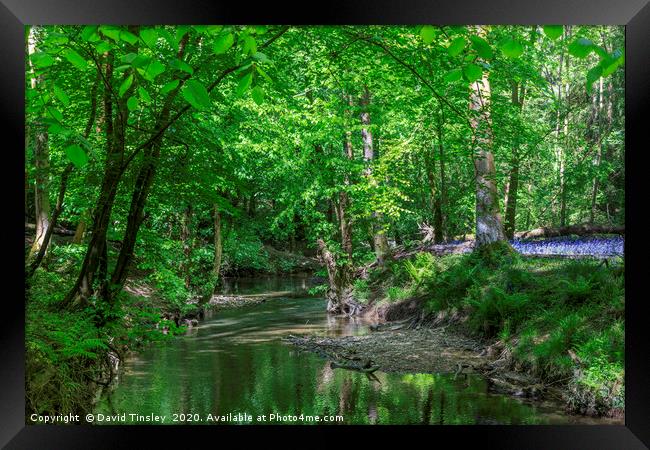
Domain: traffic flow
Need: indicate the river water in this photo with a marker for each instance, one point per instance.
(234, 368)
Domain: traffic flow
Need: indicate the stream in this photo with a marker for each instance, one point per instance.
(234, 364)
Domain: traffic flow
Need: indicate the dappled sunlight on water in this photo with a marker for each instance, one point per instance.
(235, 361)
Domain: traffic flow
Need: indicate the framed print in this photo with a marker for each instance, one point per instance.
(379, 214)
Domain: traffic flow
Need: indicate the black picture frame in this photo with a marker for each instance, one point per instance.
(635, 14)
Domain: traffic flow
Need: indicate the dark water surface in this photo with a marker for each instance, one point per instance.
(235, 363)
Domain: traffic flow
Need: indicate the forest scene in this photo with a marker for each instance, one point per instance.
(314, 224)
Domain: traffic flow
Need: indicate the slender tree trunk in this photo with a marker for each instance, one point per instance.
(443, 185)
(142, 188)
(218, 248)
(115, 145)
(381, 248)
(187, 244)
(563, 150)
(344, 199)
(608, 147)
(434, 196)
(62, 188)
(42, 164)
(599, 154)
(489, 228)
(80, 230)
(513, 179)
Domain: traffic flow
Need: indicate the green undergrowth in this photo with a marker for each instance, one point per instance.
(68, 352)
(559, 319)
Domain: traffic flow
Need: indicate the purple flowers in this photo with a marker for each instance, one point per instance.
(567, 246)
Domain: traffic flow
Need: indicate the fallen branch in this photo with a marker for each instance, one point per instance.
(365, 368)
(580, 230)
(57, 230)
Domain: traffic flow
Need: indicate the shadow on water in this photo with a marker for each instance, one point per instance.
(235, 362)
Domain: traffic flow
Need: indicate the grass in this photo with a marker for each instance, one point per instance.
(562, 319)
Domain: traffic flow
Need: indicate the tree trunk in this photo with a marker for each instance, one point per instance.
(339, 294)
(142, 188)
(511, 197)
(434, 196)
(218, 248)
(441, 207)
(563, 149)
(42, 164)
(187, 244)
(598, 142)
(513, 179)
(62, 188)
(80, 230)
(381, 248)
(344, 199)
(489, 228)
(115, 145)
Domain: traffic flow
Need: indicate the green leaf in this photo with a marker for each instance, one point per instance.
(55, 128)
(456, 46)
(76, 59)
(55, 114)
(600, 51)
(264, 74)
(169, 87)
(129, 37)
(553, 31)
(144, 95)
(154, 69)
(511, 48)
(149, 36)
(126, 84)
(41, 59)
(453, 75)
(223, 43)
(258, 95)
(110, 32)
(472, 72)
(250, 45)
(196, 94)
(129, 58)
(89, 33)
(61, 95)
(181, 30)
(56, 39)
(428, 34)
(244, 83)
(581, 47)
(593, 74)
(103, 47)
(261, 57)
(76, 155)
(612, 63)
(132, 103)
(482, 47)
(208, 29)
(173, 43)
(141, 61)
(181, 65)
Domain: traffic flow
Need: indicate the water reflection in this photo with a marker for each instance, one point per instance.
(235, 362)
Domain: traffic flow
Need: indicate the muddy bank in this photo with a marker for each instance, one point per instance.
(426, 350)
(408, 341)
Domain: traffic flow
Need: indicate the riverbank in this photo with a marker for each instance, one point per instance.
(534, 327)
(72, 355)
